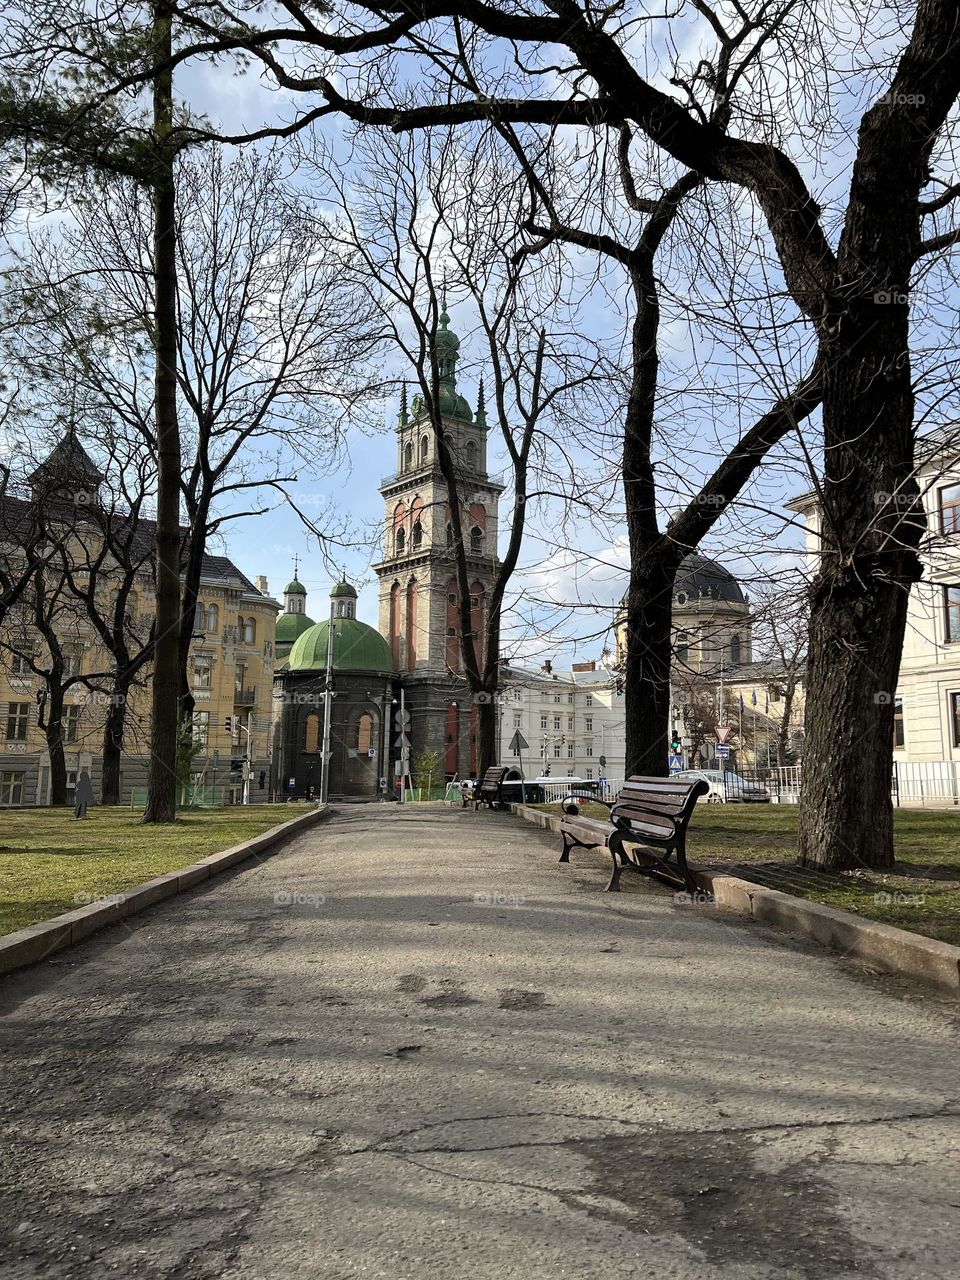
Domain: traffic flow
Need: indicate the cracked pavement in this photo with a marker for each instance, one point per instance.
(411, 1044)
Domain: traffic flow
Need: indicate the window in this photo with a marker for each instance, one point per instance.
(476, 541)
(424, 449)
(589, 699)
(556, 724)
(202, 673)
(451, 598)
(11, 788)
(71, 724)
(557, 698)
(201, 729)
(543, 722)
(199, 616)
(417, 534)
(365, 733)
(517, 695)
(951, 613)
(407, 457)
(570, 698)
(588, 750)
(588, 773)
(250, 631)
(18, 717)
(72, 661)
(569, 724)
(898, 737)
(589, 724)
(20, 665)
(950, 509)
(517, 721)
(471, 455)
(735, 651)
(311, 740)
(451, 631)
(213, 619)
(401, 542)
(955, 717)
(556, 751)
(474, 602)
(569, 750)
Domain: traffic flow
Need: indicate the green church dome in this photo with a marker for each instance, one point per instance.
(292, 625)
(295, 588)
(356, 647)
(343, 589)
(446, 337)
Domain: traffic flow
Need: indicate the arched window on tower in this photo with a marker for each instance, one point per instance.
(476, 541)
(213, 619)
(471, 455)
(735, 651)
(401, 541)
(424, 449)
(365, 733)
(311, 737)
(449, 534)
(407, 456)
(417, 534)
(340, 609)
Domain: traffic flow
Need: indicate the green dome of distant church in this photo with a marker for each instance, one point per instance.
(292, 625)
(356, 647)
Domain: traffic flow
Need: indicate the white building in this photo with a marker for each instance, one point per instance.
(927, 724)
(571, 719)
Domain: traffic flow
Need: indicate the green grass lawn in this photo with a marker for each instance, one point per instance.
(921, 893)
(48, 858)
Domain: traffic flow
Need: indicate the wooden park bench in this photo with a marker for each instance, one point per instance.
(648, 812)
(490, 790)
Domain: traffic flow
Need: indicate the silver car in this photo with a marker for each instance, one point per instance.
(726, 787)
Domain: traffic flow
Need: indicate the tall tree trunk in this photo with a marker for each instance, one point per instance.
(872, 518)
(647, 667)
(486, 736)
(53, 733)
(162, 782)
(112, 749)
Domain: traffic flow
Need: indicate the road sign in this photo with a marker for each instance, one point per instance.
(675, 763)
(723, 751)
(518, 743)
(371, 752)
(723, 731)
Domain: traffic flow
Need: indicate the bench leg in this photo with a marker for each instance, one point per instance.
(688, 879)
(615, 845)
(567, 845)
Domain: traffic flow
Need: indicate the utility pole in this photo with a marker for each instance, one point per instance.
(327, 705)
(248, 759)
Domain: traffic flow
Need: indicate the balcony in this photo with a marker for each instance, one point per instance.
(244, 697)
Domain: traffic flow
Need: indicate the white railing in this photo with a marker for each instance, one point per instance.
(923, 782)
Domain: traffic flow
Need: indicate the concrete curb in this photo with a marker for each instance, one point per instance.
(37, 941)
(898, 951)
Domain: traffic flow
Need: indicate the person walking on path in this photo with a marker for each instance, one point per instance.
(83, 795)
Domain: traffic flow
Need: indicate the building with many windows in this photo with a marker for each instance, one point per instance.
(927, 698)
(230, 661)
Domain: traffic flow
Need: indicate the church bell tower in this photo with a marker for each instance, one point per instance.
(419, 594)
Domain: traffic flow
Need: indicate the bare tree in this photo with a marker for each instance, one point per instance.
(429, 218)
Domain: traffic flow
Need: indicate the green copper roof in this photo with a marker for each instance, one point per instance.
(292, 625)
(356, 647)
(343, 589)
(446, 337)
(295, 588)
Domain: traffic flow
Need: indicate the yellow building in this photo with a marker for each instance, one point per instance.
(231, 655)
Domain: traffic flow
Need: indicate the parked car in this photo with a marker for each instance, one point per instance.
(727, 787)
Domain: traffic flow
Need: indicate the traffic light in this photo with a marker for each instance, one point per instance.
(675, 742)
(619, 686)
(228, 725)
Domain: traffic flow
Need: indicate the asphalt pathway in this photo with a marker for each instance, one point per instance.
(411, 1045)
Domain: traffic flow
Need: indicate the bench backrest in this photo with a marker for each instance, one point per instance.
(493, 777)
(662, 803)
